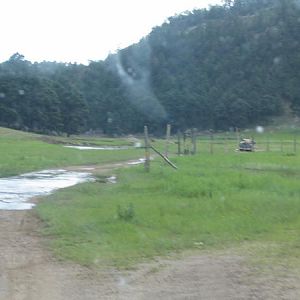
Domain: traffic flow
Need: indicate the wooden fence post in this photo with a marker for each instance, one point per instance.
(194, 140)
(211, 142)
(268, 144)
(226, 143)
(185, 151)
(164, 157)
(179, 142)
(238, 138)
(147, 150)
(167, 140)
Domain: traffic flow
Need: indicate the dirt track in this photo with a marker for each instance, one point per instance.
(28, 271)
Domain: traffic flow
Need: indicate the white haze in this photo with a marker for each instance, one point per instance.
(81, 30)
(136, 79)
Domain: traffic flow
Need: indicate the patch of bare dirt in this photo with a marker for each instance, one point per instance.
(28, 271)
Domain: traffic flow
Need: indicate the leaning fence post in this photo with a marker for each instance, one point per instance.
(147, 150)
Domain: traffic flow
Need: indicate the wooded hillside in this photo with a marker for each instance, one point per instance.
(234, 65)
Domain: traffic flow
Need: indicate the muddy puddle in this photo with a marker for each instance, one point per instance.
(99, 148)
(16, 191)
(138, 162)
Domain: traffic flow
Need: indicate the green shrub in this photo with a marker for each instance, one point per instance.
(126, 213)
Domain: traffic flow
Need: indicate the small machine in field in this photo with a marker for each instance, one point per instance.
(247, 145)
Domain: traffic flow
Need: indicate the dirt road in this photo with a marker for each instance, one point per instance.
(28, 271)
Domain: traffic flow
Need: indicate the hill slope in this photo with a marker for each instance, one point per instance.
(227, 66)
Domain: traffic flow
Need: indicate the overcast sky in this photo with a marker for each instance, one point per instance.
(81, 30)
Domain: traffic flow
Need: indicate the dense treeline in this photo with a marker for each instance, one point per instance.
(228, 66)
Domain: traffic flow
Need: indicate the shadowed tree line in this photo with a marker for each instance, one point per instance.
(227, 66)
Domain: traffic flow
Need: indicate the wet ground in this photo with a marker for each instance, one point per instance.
(16, 191)
(99, 148)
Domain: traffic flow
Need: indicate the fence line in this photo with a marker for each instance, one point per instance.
(212, 143)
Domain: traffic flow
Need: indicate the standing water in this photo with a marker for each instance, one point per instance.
(99, 148)
(16, 191)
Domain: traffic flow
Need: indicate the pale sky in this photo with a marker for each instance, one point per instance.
(81, 30)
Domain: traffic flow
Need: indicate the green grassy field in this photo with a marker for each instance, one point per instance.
(249, 201)
(211, 202)
(22, 152)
